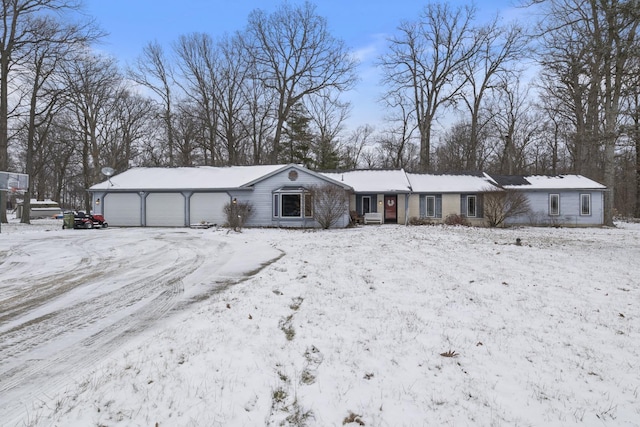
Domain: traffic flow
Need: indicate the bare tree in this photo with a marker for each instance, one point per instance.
(356, 142)
(427, 60)
(93, 83)
(154, 71)
(133, 122)
(498, 206)
(499, 49)
(198, 63)
(327, 115)
(596, 40)
(15, 38)
(42, 60)
(295, 56)
(330, 204)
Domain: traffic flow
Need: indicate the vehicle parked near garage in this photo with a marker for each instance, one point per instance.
(79, 219)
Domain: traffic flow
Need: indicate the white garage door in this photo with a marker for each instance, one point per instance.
(165, 210)
(208, 207)
(122, 209)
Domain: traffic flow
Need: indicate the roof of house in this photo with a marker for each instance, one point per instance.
(373, 181)
(361, 181)
(548, 182)
(200, 177)
(432, 183)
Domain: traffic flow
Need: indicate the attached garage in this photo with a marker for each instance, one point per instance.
(123, 209)
(186, 196)
(208, 207)
(165, 210)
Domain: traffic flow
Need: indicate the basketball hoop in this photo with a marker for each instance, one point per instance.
(14, 183)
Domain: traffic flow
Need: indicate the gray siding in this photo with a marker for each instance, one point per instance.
(569, 209)
(261, 199)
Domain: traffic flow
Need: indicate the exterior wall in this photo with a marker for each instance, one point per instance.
(402, 208)
(569, 209)
(261, 199)
(450, 205)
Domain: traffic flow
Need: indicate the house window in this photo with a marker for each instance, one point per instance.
(366, 204)
(431, 206)
(585, 204)
(472, 206)
(291, 204)
(554, 204)
(308, 206)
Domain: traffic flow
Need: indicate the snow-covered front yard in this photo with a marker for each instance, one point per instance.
(375, 326)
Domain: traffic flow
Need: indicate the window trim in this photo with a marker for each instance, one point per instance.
(305, 199)
(276, 205)
(475, 206)
(426, 206)
(553, 196)
(282, 197)
(308, 204)
(588, 197)
(362, 204)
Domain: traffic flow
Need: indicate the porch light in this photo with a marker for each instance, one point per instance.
(97, 201)
(234, 201)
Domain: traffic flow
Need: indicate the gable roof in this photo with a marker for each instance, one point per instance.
(548, 182)
(199, 178)
(187, 178)
(373, 181)
(450, 183)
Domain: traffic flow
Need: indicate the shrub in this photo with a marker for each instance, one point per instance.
(414, 220)
(330, 203)
(455, 219)
(237, 214)
(502, 205)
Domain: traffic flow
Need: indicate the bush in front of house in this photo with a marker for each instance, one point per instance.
(455, 219)
(237, 214)
(414, 220)
(330, 204)
(502, 205)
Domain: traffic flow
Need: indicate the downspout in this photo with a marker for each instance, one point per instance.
(406, 199)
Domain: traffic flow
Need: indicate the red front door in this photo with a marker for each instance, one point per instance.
(391, 208)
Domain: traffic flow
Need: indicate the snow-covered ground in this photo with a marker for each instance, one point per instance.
(376, 326)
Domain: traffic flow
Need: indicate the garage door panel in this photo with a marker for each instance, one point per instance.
(165, 210)
(122, 209)
(208, 207)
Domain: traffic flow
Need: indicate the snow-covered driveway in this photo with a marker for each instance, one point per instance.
(67, 298)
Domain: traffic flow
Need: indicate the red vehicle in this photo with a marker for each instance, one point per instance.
(84, 220)
(98, 221)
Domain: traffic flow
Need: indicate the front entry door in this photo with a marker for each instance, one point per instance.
(391, 209)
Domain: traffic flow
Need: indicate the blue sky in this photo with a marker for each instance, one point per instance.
(363, 25)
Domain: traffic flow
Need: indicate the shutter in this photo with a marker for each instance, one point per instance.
(423, 206)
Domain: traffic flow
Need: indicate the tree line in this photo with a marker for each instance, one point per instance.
(459, 95)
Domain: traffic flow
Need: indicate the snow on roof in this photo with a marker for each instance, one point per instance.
(558, 182)
(200, 177)
(373, 181)
(430, 183)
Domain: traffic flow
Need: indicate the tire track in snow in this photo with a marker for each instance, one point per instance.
(30, 348)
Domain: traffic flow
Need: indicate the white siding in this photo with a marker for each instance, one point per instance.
(165, 210)
(122, 209)
(208, 207)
